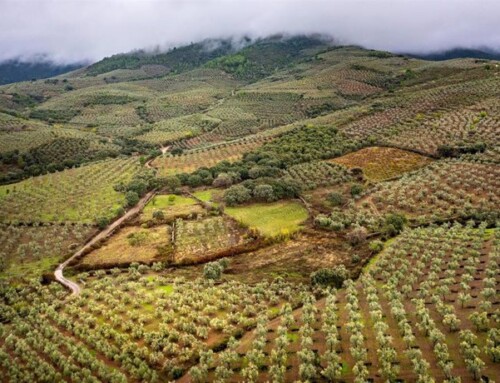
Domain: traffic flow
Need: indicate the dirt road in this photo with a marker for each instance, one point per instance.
(74, 287)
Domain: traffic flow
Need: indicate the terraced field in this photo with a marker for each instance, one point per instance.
(192, 160)
(43, 135)
(385, 325)
(31, 250)
(446, 190)
(82, 194)
(201, 240)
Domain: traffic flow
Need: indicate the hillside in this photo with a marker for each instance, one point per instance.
(460, 53)
(15, 71)
(245, 57)
(283, 210)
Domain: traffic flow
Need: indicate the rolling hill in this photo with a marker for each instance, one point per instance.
(286, 209)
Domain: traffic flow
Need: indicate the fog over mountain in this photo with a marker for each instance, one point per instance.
(71, 30)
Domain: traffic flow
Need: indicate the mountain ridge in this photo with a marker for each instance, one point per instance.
(15, 70)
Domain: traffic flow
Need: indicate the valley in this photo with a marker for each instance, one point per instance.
(294, 211)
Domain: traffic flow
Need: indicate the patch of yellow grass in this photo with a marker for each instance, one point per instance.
(379, 163)
(150, 244)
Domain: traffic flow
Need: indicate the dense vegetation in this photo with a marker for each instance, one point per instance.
(14, 71)
(263, 167)
(266, 56)
(176, 60)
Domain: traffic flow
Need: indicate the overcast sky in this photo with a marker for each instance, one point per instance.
(71, 30)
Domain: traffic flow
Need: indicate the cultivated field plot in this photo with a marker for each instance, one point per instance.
(120, 131)
(311, 175)
(199, 78)
(442, 190)
(111, 94)
(192, 160)
(108, 115)
(437, 323)
(409, 109)
(477, 123)
(199, 240)
(74, 195)
(28, 139)
(171, 206)
(130, 327)
(272, 219)
(133, 244)
(31, 250)
(10, 123)
(173, 104)
(173, 129)
(345, 72)
(270, 109)
(74, 149)
(379, 163)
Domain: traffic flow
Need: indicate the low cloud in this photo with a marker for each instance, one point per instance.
(88, 30)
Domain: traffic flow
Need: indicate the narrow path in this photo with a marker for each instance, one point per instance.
(74, 287)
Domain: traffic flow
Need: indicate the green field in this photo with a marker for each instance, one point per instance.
(212, 196)
(172, 205)
(166, 201)
(270, 219)
(204, 195)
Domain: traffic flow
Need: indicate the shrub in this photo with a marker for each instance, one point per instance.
(138, 238)
(214, 270)
(158, 215)
(172, 183)
(330, 277)
(357, 235)
(223, 180)
(194, 180)
(176, 151)
(264, 193)
(224, 263)
(455, 151)
(102, 222)
(237, 194)
(120, 211)
(376, 246)
(356, 189)
(132, 198)
(158, 266)
(394, 224)
(336, 199)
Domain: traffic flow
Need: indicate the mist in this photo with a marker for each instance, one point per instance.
(65, 31)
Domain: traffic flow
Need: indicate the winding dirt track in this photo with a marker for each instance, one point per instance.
(74, 287)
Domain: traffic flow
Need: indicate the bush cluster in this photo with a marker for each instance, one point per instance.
(330, 277)
(261, 190)
(214, 270)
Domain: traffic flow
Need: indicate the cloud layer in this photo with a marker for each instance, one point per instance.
(76, 30)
